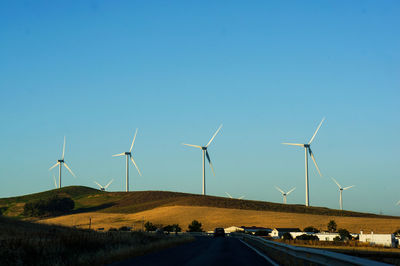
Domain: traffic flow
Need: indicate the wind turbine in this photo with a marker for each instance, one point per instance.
(307, 150)
(128, 155)
(205, 153)
(398, 203)
(60, 163)
(284, 194)
(105, 187)
(341, 191)
(229, 195)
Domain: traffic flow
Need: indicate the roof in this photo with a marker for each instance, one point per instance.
(287, 229)
(255, 228)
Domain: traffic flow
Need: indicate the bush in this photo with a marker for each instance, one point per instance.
(172, 228)
(344, 234)
(124, 228)
(311, 229)
(397, 232)
(307, 237)
(261, 233)
(48, 207)
(150, 227)
(287, 236)
(332, 226)
(195, 226)
(112, 229)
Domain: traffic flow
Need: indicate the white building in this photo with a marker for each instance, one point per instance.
(233, 229)
(387, 240)
(278, 232)
(325, 236)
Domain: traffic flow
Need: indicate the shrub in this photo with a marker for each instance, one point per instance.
(311, 229)
(287, 236)
(344, 234)
(150, 227)
(124, 228)
(195, 226)
(48, 207)
(307, 237)
(112, 229)
(172, 228)
(332, 226)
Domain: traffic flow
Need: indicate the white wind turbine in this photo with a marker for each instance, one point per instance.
(229, 195)
(129, 156)
(341, 191)
(205, 153)
(105, 187)
(60, 163)
(284, 194)
(307, 150)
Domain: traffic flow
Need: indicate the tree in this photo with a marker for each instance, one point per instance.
(50, 206)
(195, 226)
(311, 229)
(332, 226)
(397, 232)
(150, 227)
(287, 236)
(344, 234)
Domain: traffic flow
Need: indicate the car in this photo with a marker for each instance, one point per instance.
(219, 232)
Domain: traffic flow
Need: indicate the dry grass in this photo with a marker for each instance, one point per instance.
(212, 217)
(24, 243)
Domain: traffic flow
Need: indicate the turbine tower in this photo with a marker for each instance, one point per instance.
(205, 153)
(229, 195)
(307, 150)
(60, 163)
(105, 187)
(341, 191)
(284, 194)
(128, 155)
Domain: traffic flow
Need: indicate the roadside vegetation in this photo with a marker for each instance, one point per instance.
(25, 243)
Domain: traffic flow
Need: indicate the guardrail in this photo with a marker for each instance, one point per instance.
(286, 254)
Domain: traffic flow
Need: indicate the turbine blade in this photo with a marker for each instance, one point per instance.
(109, 183)
(241, 197)
(290, 191)
(55, 181)
(280, 190)
(209, 161)
(98, 184)
(63, 149)
(54, 166)
(294, 144)
(398, 203)
(66, 166)
(119, 154)
(133, 161)
(196, 146)
(133, 141)
(316, 166)
(348, 187)
(214, 135)
(334, 180)
(229, 195)
(315, 133)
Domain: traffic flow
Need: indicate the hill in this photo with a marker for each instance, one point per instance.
(114, 209)
(89, 199)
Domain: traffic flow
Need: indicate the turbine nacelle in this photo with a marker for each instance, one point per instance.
(204, 148)
(60, 161)
(128, 153)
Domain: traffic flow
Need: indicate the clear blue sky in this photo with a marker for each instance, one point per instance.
(95, 71)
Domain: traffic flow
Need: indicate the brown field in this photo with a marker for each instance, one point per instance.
(212, 217)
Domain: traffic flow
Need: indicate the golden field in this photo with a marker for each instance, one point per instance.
(212, 217)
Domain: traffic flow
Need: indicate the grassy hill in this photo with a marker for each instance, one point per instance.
(92, 200)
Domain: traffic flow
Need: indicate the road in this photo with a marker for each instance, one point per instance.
(205, 251)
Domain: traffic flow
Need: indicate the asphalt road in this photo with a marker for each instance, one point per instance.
(205, 251)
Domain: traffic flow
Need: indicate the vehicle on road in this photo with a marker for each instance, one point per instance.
(219, 232)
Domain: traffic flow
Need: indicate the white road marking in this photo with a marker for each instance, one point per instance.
(259, 253)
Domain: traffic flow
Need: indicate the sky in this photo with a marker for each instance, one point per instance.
(269, 71)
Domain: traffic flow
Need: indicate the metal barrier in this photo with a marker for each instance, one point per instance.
(310, 255)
